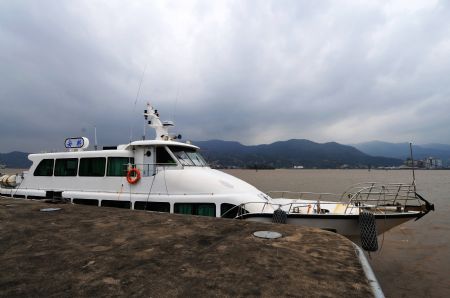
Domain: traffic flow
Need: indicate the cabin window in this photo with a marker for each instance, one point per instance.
(204, 209)
(228, 210)
(89, 202)
(188, 156)
(152, 206)
(92, 167)
(116, 204)
(231, 211)
(45, 168)
(66, 167)
(163, 157)
(196, 158)
(117, 166)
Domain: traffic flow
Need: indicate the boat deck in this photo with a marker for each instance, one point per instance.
(91, 251)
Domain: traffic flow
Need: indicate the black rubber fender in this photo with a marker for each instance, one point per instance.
(279, 216)
(368, 231)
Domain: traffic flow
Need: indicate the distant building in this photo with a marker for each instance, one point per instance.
(426, 163)
(417, 163)
(433, 163)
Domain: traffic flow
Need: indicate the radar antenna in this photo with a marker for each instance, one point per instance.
(161, 127)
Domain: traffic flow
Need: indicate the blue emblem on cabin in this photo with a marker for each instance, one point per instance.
(72, 143)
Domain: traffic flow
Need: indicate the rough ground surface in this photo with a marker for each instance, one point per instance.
(91, 251)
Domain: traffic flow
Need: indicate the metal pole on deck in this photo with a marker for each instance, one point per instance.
(412, 162)
(95, 138)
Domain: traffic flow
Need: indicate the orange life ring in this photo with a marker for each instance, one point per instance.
(133, 179)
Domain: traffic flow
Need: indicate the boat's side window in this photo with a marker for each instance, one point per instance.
(117, 166)
(187, 156)
(152, 206)
(163, 157)
(92, 167)
(66, 167)
(196, 158)
(116, 204)
(45, 168)
(90, 202)
(205, 209)
(228, 210)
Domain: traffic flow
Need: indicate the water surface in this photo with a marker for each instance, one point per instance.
(414, 259)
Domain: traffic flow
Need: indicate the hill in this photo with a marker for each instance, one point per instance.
(282, 154)
(401, 150)
(286, 154)
(15, 159)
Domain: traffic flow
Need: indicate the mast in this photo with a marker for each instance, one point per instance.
(161, 127)
(95, 138)
(412, 163)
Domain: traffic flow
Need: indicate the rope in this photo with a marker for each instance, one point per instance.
(18, 187)
(120, 192)
(165, 182)
(149, 192)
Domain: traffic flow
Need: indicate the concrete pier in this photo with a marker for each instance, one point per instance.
(98, 251)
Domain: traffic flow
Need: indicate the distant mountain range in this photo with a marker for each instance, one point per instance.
(15, 159)
(286, 154)
(401, 150)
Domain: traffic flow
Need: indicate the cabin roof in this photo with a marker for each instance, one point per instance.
(122, 150)
(160, 142)
(76, 154)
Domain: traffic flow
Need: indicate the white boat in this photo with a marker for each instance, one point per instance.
(167, 175)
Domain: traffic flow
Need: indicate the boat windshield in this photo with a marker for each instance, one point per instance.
(188, 156)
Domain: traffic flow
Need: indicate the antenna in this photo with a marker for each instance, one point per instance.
(136, 99)
(143, 136)
(95, 138)
(175, 105)
(412, 162)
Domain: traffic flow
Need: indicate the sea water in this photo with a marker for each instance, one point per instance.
(414, 258)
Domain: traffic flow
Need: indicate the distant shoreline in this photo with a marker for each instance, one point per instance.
(10, 171)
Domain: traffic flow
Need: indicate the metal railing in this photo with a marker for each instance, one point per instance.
(379, 195)
(304, 195)
(151, 169)
(382, 198)
(290, 208)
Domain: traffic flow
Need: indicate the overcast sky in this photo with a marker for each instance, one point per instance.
(249, 71)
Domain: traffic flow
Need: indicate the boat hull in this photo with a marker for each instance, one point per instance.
(347, 225)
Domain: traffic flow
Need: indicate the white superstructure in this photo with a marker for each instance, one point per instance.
(173, 176)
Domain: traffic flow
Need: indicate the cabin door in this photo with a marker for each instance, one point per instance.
(149, 162)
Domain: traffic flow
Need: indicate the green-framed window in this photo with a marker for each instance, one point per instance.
(45, 168)
(204, 209)
(92, 167)
(66, 167)
(117, 166)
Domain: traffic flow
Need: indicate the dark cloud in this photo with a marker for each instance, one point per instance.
(252, 71)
